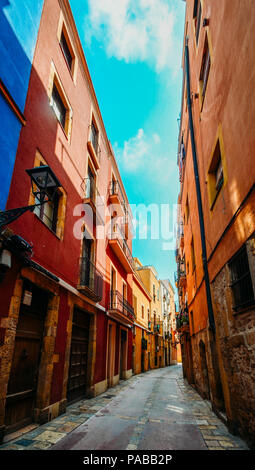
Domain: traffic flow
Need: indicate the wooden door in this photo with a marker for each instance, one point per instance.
(111, 353)
(123, 353)
(22, 386)
(78, 365)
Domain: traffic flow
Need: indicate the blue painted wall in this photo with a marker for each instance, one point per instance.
(19, 24)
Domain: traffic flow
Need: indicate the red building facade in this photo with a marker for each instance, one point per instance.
(67, 315)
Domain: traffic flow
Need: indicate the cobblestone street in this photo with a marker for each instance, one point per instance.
(156, 410)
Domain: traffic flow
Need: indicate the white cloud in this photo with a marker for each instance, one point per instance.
(145, 155)
(135, 152)
(134, 30)
(156, 138)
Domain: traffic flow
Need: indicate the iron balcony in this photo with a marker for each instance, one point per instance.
(116, 196)
(91, 280)
(121, 248)
(120, 305)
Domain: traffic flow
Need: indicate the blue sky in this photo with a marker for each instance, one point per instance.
(133, 49)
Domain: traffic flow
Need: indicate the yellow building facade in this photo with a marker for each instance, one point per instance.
(141, 335)
(155, 345)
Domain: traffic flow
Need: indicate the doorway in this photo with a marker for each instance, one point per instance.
(22, 386)
(123, 353)
(111, 353)
(78, 365)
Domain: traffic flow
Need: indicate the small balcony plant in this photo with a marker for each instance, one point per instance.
(184, 317)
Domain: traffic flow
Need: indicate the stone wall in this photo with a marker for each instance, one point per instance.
(236, 333)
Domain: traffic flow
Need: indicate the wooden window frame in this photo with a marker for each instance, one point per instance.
(204, 71)
(215, 186)
(55, 82)
(67, 49)
(96, 134)
(142, 311)
(197, 15)
(59, 218)
(239, 261)
(51, 223)
(193, 256)
(63, 30)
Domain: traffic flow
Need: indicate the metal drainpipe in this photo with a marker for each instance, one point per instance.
(198, 193)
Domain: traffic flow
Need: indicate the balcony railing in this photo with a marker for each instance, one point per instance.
(128, 221)
(180, 229)
(116, 190)
(117, 302)
(91, 280)
(117, 234)
(182, 320)
(157, 327)
(180, 274)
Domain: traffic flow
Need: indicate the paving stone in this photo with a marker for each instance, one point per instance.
(41, 446)
(226, 443)
(126, 417)
(50, 436)
(12, 447)
(212, 443)
(68, 427)
(206, 434)
(215, 448)
(203, 426)
(24, 442)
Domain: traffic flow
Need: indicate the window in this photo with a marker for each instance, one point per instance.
(215, 174)
(59, 103)
(94, 136)
(154, 293)
(58, 106)
(241, 283)
(93, 143)
(181, 161)
(205, 69)
(142, 311)
(52, 213)
(195, 8)
(86, 266)
(66, 49)
(48, 212)
(90, 188)
(192, 323)
(193, 260)
(187, 210)
(198, 13)
(219, 175)
(135, 304)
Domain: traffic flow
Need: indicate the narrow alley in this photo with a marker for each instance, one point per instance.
(156, 410)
